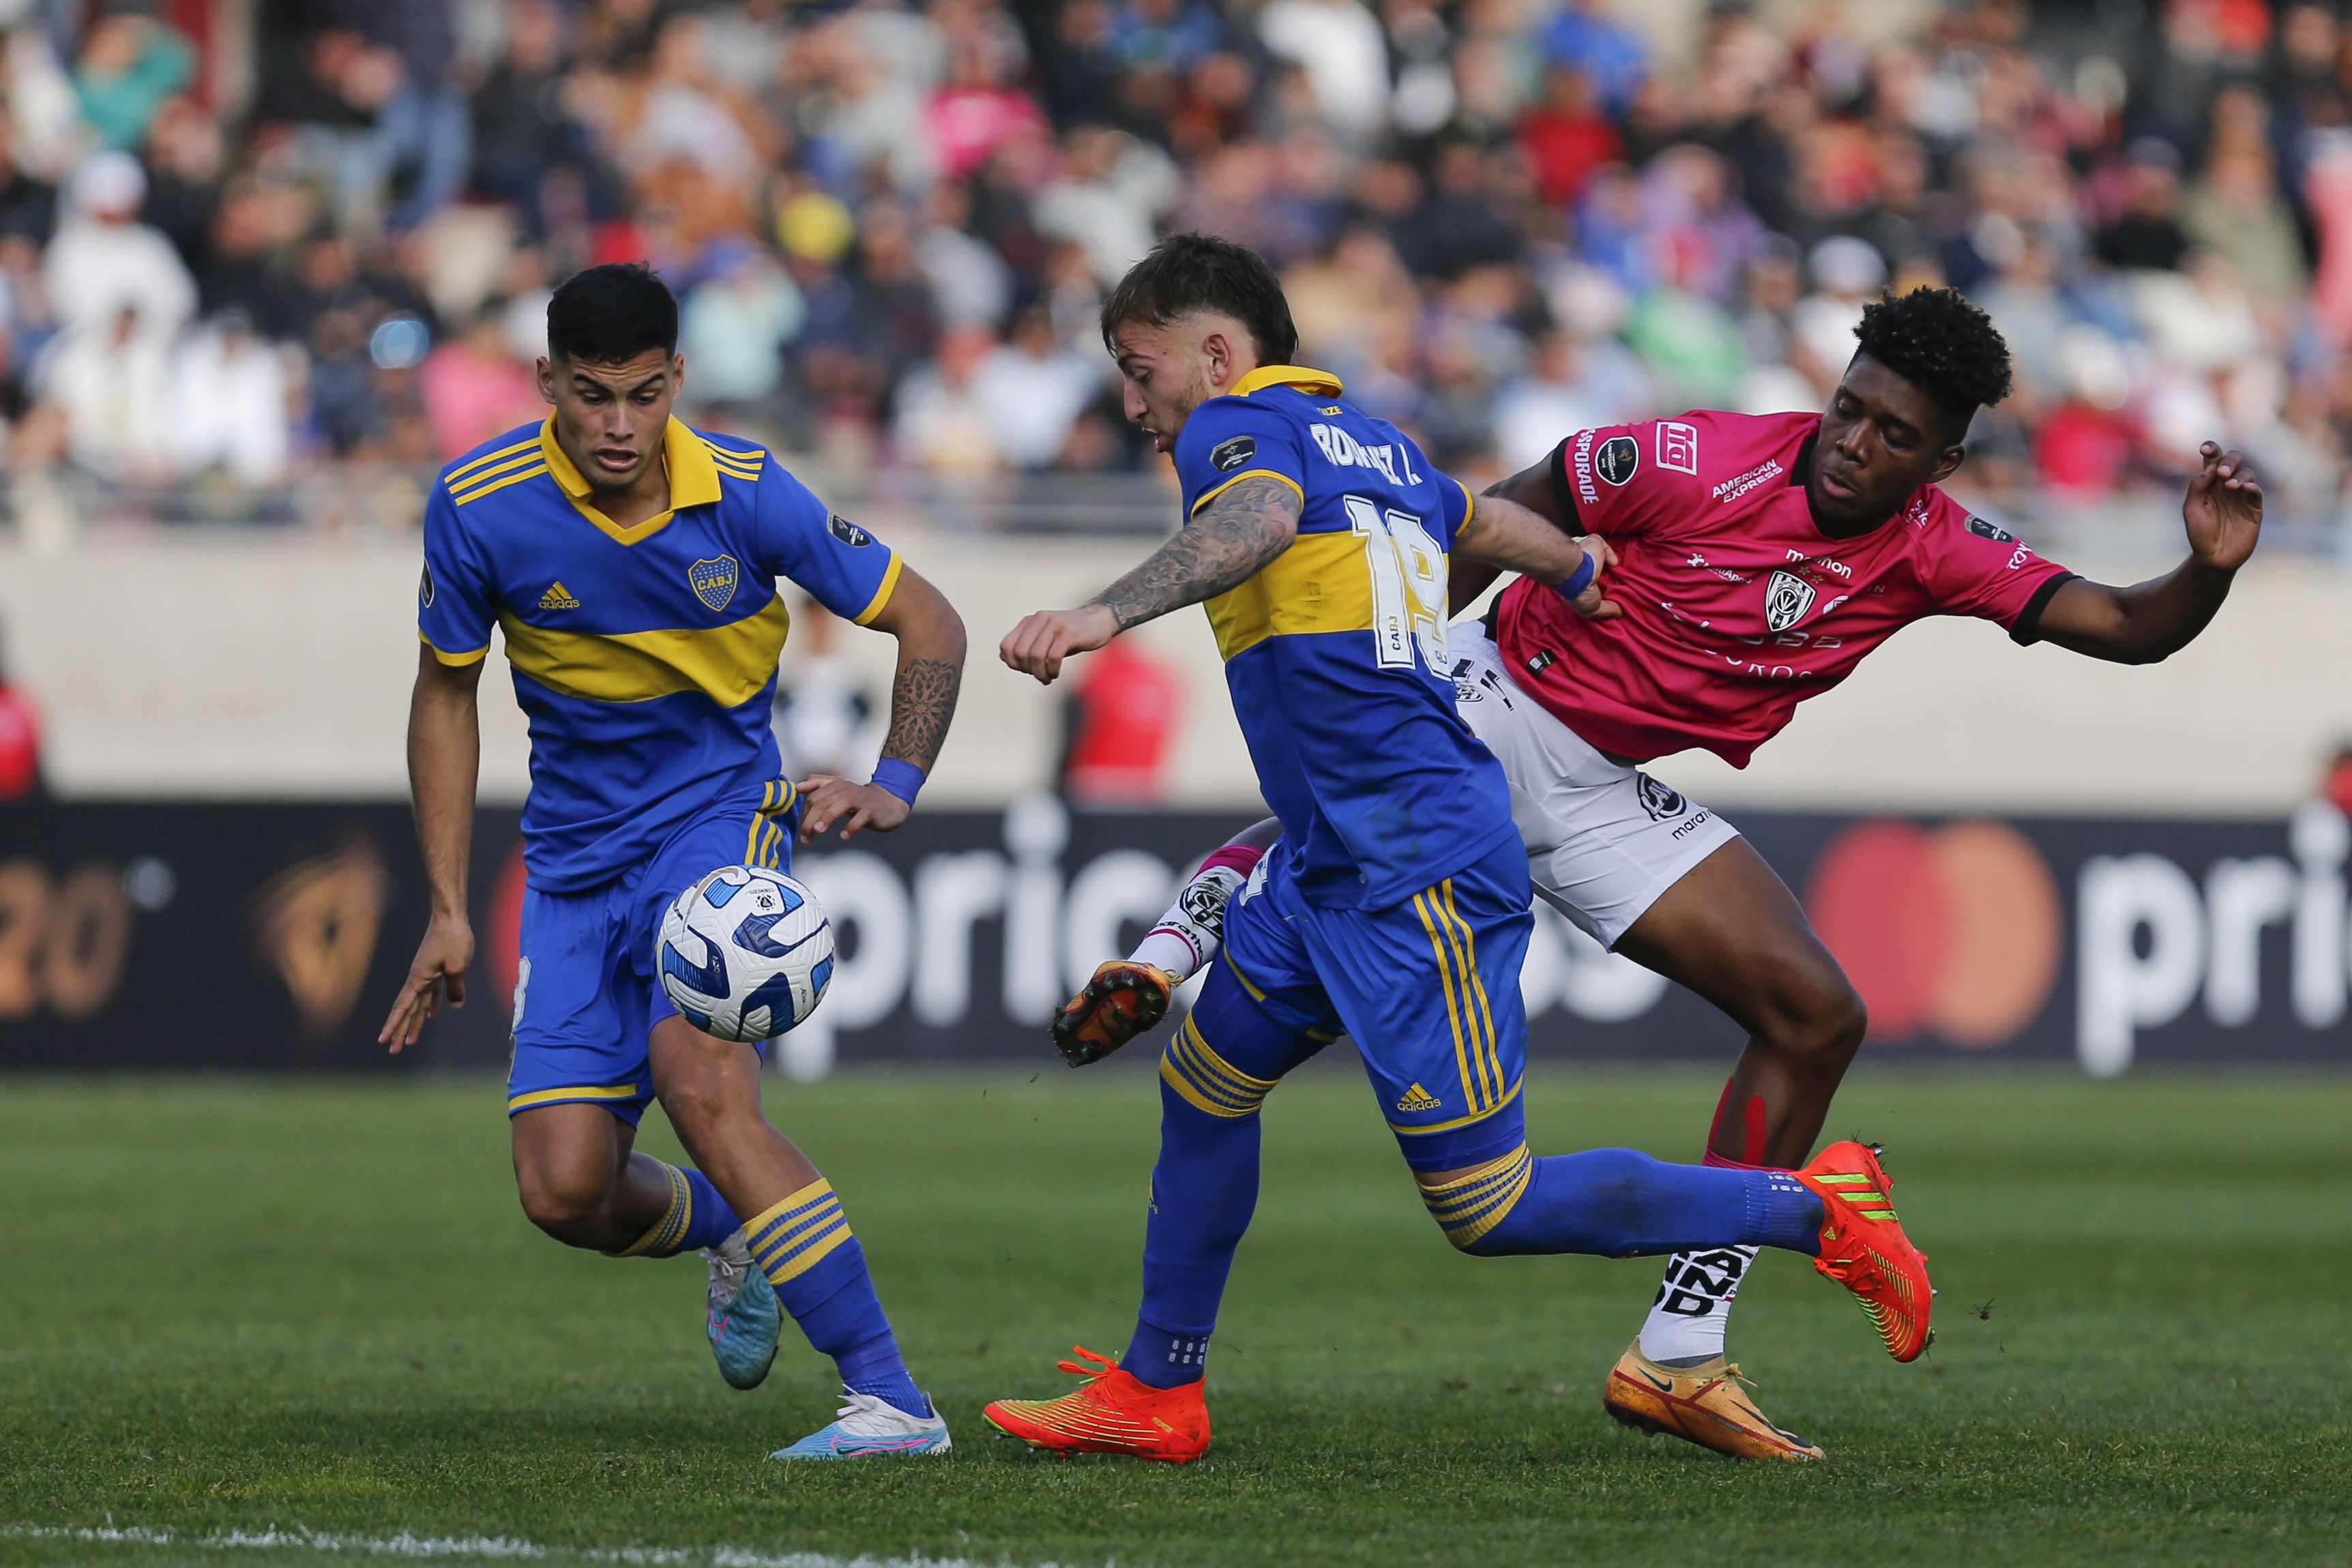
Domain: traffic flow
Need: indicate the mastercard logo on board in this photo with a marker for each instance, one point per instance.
(1955, 931)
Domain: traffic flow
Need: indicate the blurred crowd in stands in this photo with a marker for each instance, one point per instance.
(282, 257)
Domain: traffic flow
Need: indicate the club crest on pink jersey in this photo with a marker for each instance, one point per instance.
(1787, 597)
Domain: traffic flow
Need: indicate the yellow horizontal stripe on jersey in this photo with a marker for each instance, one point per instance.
(460, 659)
(458, 488)
(1323, 583)
(875, 605)
(728, 663)
(1210, 495)
(471, 470)
(478, 491)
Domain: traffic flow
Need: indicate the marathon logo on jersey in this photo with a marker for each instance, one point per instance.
(1619, 458)
(1732, 490)
(1787, 597)
(713, 580)
(425, 586)
(848, 532)
(1678, 447)
(1344, 451)
(1993, 531)
(1664, 804)
(1230, 454)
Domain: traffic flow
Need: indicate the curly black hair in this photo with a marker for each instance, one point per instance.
(1937, 339)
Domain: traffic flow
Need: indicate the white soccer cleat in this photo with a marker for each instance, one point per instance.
(869, 1428)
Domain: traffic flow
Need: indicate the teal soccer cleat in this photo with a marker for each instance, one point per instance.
(871, 1428)
(744, 1316)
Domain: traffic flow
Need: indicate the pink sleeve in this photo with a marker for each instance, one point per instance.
(1624, 479)
(1980, 568)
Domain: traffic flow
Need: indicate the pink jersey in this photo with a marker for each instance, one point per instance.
(1737, 607)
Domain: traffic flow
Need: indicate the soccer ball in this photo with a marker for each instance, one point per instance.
(746, 953)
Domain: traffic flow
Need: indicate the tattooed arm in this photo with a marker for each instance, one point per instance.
(922, 701)
(1232, 540)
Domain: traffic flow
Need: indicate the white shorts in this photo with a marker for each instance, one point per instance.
(1604, 840)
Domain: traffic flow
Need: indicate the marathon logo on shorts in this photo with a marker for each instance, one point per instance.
(1621, 457)
(1787, 597)
(1993, 531)
(713, 581)
(1678, 446)
(848, 532)
(1663, 803)
(1230, 454)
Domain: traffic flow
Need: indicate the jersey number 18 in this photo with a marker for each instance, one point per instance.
(1408, 585)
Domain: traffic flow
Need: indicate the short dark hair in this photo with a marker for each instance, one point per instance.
(1189, 272)
(611, 313)
(1937, 339)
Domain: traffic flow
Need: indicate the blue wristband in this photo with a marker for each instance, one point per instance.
(900, 777)
(1580, 579)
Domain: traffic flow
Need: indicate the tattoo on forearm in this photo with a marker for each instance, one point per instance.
(922, 701)
(1224, 548)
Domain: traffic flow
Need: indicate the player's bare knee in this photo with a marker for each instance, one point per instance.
(573, 1210)
(1817, 1020)
(699, 1105)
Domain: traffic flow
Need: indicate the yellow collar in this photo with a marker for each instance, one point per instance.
(1299, 376)
(693, 478)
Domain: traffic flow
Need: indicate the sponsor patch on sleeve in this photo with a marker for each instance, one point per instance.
(1678, 446)
(1228, 456)
(1993, 531)
(1619, 457)
(425, 586)
(848, 532)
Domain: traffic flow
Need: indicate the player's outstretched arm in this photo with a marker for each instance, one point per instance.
(2151, 621)
(1227, 543)
(445, 755)
(922, 703)
(1503, 533)
(1531, 487)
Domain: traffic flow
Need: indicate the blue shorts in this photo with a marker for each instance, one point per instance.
(587, 992)
(1429, 990)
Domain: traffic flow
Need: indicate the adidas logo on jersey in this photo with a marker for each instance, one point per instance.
(558, 598)
(1418, 1099)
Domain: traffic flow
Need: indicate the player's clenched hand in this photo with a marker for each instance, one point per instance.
(826, 800)
(438, 970)
(1593, 603)
(1039, 645)
(2223, 509)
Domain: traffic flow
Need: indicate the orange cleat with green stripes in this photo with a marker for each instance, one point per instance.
(1864, 1250)
(1114, 1413)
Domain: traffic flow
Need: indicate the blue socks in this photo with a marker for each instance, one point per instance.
(1204, 1191)
(805, 1247)
(696, 1217)
(1619, 1203)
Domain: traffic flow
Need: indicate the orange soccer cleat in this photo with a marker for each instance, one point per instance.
(1864, 1250)
(1122, 1000)
(1114, 1413)
(1706, 1404)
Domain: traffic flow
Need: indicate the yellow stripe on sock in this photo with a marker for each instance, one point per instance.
(1472, 1204)
(1192, 1068)
(815, 1233)
(662, 1237)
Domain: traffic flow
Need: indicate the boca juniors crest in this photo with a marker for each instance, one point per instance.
(713, 580)
(1787, 597)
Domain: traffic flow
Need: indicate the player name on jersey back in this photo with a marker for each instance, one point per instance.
(1335, 652)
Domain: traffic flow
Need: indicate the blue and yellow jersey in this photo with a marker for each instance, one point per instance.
(1336, 651)
(643, 656)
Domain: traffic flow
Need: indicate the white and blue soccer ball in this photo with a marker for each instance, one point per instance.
(746, 953)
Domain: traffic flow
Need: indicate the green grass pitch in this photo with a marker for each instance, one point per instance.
(231, 1308)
